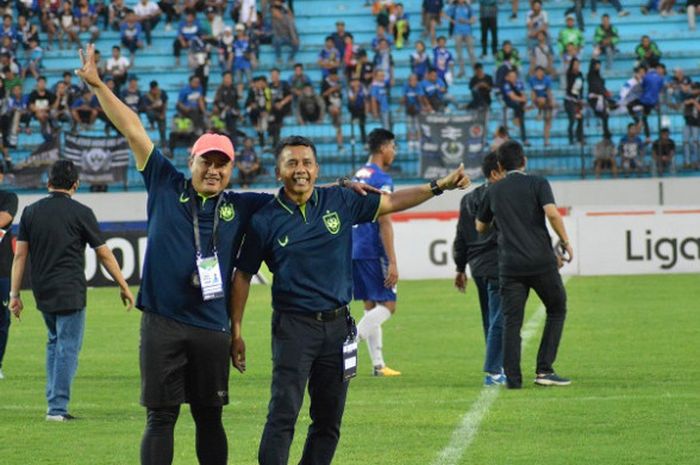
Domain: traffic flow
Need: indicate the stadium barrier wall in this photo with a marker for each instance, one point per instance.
(612, 238)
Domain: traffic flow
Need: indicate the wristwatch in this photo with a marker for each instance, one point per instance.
(342, 182)
(434, 188)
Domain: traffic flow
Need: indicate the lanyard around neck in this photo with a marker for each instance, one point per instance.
(195, 222)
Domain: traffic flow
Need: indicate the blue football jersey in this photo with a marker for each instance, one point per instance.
(366, 243)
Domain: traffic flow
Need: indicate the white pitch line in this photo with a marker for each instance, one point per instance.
(465, 432)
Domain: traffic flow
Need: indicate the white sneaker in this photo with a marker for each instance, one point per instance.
(2, 376)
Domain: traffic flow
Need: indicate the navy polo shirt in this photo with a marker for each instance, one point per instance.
(170, 254)
(308, 248)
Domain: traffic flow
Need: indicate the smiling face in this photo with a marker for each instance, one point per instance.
(211, 173)
(298, 170)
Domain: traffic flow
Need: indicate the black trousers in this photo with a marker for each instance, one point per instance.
(482, 287)
(489, 24)
(305, 350)
(514, 292)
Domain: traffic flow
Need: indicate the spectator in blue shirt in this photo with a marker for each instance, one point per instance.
(461, 16)
(541, 86)
(442, 60)
(8, 28)
(242, 54)
(381, 35)
(412, 92)
(190, 103)
(433, 93)
(36, 54)
(631, 150)
(131, 96)
(432, 12)
(83, 111)
(420, 61)
(85, 15)
(514, 97)
(379, 92)
(189, 28)
(384, 61)
(328, 58)
(358, 102)
(130, 32)
(652, 85)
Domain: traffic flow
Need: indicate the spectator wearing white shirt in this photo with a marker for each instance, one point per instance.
(117, 67)
(537, 21)
(249, 13)
(148, 13)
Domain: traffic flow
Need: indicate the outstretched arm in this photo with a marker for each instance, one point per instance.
(403, 199)
(123, 118)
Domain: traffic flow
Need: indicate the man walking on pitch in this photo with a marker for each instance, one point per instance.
(8, 210)
(519, 204)
(53, 233)
(304, 236)
(374, 269)
(480, 251)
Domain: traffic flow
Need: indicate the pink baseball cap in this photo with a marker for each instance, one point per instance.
(213, 143)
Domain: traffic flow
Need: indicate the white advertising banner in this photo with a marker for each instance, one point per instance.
(639, 242)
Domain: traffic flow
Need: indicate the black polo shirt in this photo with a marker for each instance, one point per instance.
(308, 248)
(470, 246)
(57, 228)
(8, 204)
(516, 203)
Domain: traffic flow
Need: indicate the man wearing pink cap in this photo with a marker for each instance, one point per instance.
(195, 229)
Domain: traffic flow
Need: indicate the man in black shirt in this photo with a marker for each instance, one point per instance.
(519, 204)
(56, 230)
(40, 102)
(8, 210)
(479, 250)
(480, 85)
(226, 105)
(281, 96)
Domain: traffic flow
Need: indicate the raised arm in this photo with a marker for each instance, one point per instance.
(124, 119)
(410, 197)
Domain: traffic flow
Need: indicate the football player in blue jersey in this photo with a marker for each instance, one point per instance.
(373, 256)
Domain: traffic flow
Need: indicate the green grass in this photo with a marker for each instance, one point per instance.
(630, 344)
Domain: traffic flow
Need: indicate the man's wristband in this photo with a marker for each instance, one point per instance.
(564, 243)
(434, 188)
(14, 295)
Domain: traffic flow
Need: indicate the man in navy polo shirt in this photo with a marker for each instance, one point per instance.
(194, 232)
(305, 237)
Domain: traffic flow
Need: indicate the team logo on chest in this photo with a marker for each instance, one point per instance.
(226, 212)
(332, 222)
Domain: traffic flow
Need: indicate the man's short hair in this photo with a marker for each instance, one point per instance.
(665, 130)
(605, 15)
(511, 155)
(63, 175)
(116, 47)
(377, 138)
(489, 164)
(67, 73)
(41, 78)
(631, 125)
(299, 65)
(294, 141)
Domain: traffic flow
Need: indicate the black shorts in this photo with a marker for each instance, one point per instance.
(182, 363)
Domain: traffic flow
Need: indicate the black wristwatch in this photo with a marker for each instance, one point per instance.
(434, 188)
(342, 182)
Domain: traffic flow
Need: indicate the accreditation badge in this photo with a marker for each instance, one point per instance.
(210, 280)
(349, 358)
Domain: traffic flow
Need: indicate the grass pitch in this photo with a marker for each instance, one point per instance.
(630, 345)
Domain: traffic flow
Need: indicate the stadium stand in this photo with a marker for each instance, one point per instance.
(315, 19)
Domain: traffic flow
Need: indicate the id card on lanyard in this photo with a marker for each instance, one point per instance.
(208, 269)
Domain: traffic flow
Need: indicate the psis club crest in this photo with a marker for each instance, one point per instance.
(332, 222)
(226, 212)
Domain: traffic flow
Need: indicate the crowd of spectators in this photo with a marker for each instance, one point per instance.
(359, 81)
